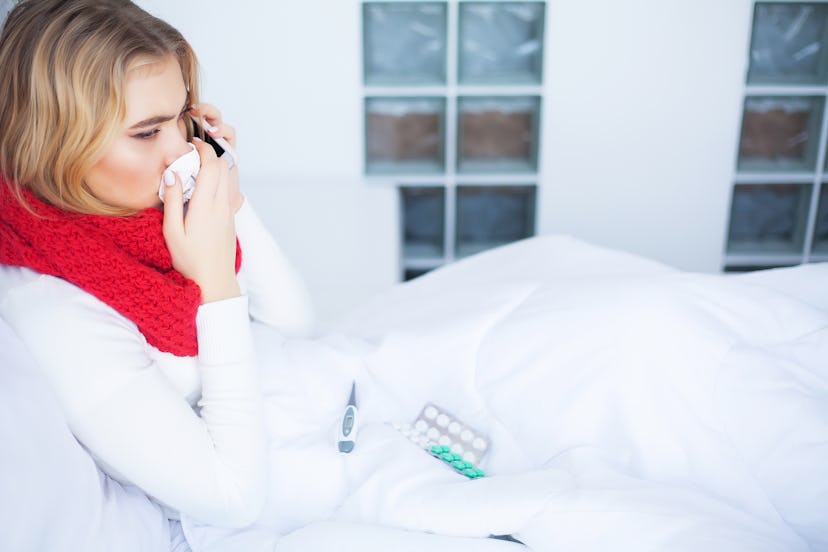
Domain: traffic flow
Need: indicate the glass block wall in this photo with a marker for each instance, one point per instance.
(779, 205)
(452, 115)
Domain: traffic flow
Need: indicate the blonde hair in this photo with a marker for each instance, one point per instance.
(64, 66)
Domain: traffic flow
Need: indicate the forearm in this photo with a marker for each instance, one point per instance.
(122, 407)
(231, 404)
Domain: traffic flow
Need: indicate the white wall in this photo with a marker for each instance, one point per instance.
(642, 116)
(641, 112)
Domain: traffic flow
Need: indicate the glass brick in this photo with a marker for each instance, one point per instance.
(411, 273)
(404, 135)
(501, 43)
(821, 230)
(751, 268)
(498, 134)
(423, 214)
(489, 216)
(780, 133)
(788, 44)
(768, 218)
(404, 43)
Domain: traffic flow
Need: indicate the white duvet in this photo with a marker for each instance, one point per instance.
(630, 407)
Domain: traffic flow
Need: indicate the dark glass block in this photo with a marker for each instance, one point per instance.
(489, 216)
(501, 43)
(780, 133)
(498, 134)
(821, 229)
(411, 273)
(404, 135)
(423, 214)
(768, 218)
(751, 268)
(404, 43)
(788, 43)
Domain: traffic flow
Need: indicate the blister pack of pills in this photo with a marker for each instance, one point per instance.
(446, 437)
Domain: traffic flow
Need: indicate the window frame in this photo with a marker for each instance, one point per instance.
(815, 179)
(452, 90)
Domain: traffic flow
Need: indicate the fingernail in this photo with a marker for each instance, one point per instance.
(196, 139)
(208, 126)
(169, 178)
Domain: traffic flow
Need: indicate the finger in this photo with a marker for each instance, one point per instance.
(223, 187)
(228, 151)
(205, 151)
(224, 143)
(223, 131)
(173, 226)
(207, 178)
(201, 123)
(211, 113)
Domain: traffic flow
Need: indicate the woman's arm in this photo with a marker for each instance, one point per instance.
(122, 408)
(278, 296)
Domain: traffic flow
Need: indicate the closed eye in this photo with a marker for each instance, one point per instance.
(151, 133)
(147, 135)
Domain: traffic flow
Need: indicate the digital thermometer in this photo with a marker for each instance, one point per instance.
(349, 425)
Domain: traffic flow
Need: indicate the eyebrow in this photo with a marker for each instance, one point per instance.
(158, 119)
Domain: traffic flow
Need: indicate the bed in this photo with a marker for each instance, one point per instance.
(631, 406)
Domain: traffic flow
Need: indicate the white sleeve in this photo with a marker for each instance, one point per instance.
(278, 296)
(122, 408)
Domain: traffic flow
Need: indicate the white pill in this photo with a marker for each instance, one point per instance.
(442, 420)
(454, 428)
(466, 435)
(433, 433)
(479, 444)
(457, 448)
(469, 456)
(423, 440)
(430, 412)
(421, 425)
(444, 440)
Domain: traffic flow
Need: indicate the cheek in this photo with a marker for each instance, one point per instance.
(124, 175)
(126, 168)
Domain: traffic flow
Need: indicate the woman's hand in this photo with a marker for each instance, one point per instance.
(203, 244)
(217, 129)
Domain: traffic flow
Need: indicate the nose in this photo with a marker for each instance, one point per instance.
(175, 146)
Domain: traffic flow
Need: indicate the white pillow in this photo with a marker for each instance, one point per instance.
(52, 495)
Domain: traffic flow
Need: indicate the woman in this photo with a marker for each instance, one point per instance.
(139, 315)
(135, 313)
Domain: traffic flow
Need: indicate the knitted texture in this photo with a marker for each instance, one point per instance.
(123, 261)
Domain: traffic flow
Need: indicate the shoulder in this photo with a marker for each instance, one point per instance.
(31, 299)
(83, 347)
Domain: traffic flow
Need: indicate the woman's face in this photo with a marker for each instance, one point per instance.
(152, 136)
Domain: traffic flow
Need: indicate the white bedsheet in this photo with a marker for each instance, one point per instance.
(630, 406)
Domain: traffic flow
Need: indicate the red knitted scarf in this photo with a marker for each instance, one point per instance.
(123, 261)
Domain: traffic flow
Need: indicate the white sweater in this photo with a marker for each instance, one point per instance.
(188, 431)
